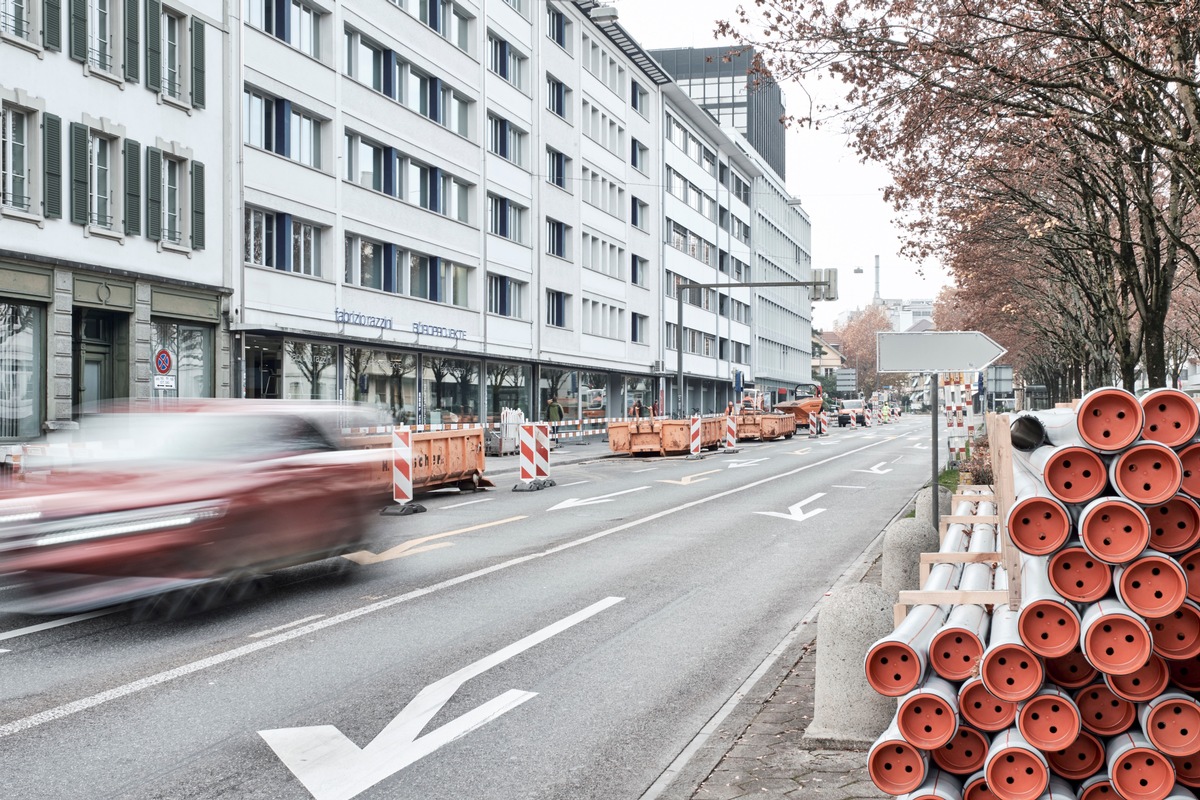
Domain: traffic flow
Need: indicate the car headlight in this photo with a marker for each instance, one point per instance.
(105, 526)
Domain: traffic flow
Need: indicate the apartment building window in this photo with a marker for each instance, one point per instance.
(557, 236)
(258, 119)
(639, 325)
(505, 296)
(639, 156)
(556, 97)
(99, 178)
(100, 34)
(639, 269)
(741, 230)
(557, 27)
(172, 172)
(305, 29)
(14, 158)
(557, 165)
(171, 26)
(556, 308)
(305, 139)
(14, 18)
(258, 233)
(364, 60)
(264, 15)
(506, 218)
(671, 336)
(741, 189)
(506, 140)
(364, 162)
(639, 99)
(506, 62)
(639, 214)
(519, 5)
(438, 279)
(306, 248)
(364, 262)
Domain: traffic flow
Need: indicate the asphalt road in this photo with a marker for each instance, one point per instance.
(567, 643)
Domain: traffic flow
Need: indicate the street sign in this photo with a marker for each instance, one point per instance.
(935, 351)
(847, 380)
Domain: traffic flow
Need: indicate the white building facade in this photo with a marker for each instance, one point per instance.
(112, 278)
(449, 209)
(706, 224)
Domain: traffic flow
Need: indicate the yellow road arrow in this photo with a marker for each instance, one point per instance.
(688, 479)
(411, 548)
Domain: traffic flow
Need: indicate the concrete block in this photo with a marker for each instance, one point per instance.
(848, 713)
(903, 542)
(925, 504)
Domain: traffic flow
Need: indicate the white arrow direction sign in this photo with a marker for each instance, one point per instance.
(687, 480)
(573, 502)
(794, 512)
(935, 351)
(332, 767)
(875, 470)
(747, 463)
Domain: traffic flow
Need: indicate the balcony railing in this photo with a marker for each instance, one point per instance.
(15, 24)
(17, 201)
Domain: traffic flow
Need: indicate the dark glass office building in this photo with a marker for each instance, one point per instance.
(719, 80)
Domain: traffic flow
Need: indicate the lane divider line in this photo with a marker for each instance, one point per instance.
(285, 626)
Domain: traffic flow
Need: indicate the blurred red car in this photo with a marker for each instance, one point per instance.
(210, 491)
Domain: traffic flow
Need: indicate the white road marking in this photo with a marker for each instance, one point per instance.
(576, 483)
(116, 693)
(56, 623)
(647, 469)
(795, 512)
(332, 767)
(286, 626)
(468, 503)
(5, 651)
(846, 486)
(573, 502)
(875, 470)
(897, 459)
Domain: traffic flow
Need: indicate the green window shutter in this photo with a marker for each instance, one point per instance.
(79, 173)
(131, 40)
(52, 24)
(52, 166)
(133, 188)
(197, 63)
(77, 29)
(197, 182)
(154, 45)
(153, 193)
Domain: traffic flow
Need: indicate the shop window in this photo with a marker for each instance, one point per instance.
(22, 370)
(192, 362)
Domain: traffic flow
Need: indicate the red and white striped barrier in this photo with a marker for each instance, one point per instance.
(814, 425)
(402, 482)
(879, 416)
(824, 423)
(535, 457)
(867, 421)
(853, 419)
(695, 449)
(731, 433)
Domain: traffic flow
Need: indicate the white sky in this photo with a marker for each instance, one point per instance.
(851, 223)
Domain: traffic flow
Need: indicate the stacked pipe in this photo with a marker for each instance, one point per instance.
(1089, 688)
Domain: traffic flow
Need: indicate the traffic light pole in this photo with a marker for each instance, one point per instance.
(687, 285)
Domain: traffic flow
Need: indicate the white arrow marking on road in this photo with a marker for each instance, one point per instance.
(875, 470)
(804, 450)
(919, 446)
(747, 463)
(794, 511)
(332, 767)
(687, 480)
(572, 502)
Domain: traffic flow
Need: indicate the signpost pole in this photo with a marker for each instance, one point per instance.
(935, 398)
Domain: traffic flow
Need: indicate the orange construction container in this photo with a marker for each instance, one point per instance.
(663, 436)
(773, 426)
(441, 459)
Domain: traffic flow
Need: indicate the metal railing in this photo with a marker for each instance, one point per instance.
(14, 24)
(101, 220)
(171, 87)
(17, 201)
(100, 59)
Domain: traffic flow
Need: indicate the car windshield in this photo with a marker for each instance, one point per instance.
(197, 437)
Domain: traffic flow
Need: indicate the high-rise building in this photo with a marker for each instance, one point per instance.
(720, 80)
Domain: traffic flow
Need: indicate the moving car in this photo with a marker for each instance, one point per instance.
(848, 407)
(209, 492)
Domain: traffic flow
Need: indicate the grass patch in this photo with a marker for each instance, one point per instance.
(949, 479)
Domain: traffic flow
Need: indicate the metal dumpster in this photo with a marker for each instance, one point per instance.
(773, 426)
(441, 459)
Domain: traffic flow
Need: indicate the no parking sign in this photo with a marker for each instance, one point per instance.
(163, 362)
